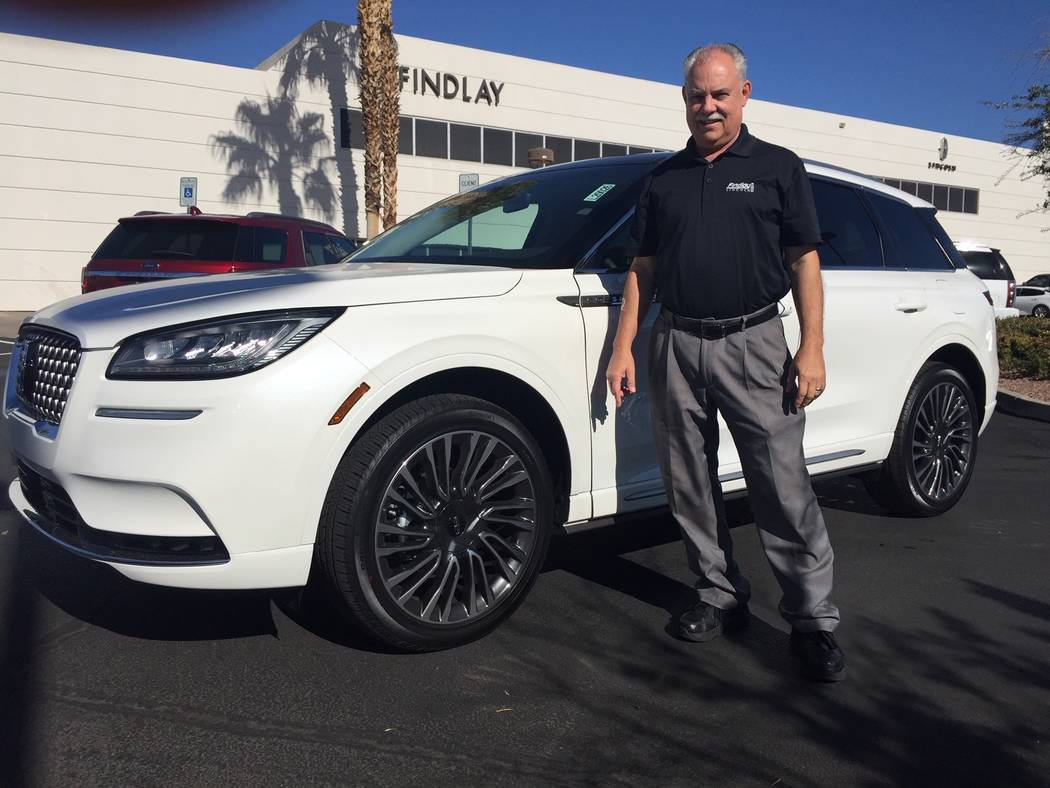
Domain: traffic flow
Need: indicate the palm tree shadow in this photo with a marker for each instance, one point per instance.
(278, 146)
(325, 55)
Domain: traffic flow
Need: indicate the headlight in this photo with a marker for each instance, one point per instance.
(217, 348)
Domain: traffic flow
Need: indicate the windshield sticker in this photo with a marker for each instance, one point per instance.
(600, 192)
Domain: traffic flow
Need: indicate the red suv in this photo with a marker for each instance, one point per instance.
(150, 246)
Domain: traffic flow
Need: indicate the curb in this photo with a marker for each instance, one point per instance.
(1016, 405)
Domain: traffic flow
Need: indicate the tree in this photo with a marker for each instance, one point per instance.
(379, 85)
(1030, 137)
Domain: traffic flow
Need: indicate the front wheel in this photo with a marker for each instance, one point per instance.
(934, 447)
(1041, 310)
(437, 522)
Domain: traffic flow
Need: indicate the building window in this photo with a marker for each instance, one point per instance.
(351, 132)
(404, 136)
(562, 148)
(957, 199)
(585, 149)
(465, 142)
(498, 147)
(633, 149)
(431, 138)
(522, 143)
(609, 149)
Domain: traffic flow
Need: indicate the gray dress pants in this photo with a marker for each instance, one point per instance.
(742, 376)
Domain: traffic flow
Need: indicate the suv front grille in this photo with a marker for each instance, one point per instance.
(46, 371)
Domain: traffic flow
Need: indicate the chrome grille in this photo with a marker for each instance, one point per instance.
(46, 369)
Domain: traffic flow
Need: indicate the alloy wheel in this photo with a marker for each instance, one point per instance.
(942, 441)
(456, 527)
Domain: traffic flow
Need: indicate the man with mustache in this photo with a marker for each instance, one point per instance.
(723, 230)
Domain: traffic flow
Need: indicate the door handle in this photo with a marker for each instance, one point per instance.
(910, 306)
(787, 310)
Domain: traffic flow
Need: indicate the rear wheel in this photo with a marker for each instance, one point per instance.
(934, 447)
(436, 523)
(1041, 310)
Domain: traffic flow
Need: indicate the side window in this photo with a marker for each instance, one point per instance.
(339, 247)
(611, 256)
(314, 248)
(271, 246)
(245, 239)
(845, 227)
(909, 244)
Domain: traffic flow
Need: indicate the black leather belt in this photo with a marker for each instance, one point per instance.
(709, 328)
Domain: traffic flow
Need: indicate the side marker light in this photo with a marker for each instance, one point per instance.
(348, 403)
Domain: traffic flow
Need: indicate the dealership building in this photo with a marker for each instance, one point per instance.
(90, 134)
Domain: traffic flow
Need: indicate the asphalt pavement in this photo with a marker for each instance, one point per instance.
(946, 626)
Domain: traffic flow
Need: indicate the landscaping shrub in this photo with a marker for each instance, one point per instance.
(1024, 347)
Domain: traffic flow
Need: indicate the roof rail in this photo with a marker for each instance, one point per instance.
(840, 169)
(150, 213)
(267, 215)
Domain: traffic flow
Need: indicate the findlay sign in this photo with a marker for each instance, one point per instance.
(470, 90)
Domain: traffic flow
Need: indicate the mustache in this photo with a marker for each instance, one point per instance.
(712, 116)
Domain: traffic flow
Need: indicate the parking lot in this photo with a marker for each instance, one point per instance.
(946, 628)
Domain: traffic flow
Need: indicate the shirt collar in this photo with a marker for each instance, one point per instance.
(743, 145)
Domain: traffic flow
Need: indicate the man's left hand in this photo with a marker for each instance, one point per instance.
(808, 370)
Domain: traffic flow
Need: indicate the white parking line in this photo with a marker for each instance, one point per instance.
(6, 342)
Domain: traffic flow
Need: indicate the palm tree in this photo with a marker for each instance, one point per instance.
(380, 85)
(280, 146)
(370, 85)
(391, 116)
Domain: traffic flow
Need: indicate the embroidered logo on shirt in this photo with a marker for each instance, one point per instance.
(740, 187)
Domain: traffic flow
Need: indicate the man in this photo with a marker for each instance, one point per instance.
(723, 230)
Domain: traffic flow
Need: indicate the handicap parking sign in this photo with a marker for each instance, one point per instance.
(187, 192)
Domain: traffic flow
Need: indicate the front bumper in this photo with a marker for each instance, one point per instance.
(227, 498)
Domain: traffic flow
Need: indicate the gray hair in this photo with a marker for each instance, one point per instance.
(700, 54)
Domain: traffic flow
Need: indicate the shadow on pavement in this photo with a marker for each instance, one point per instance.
(684, 704)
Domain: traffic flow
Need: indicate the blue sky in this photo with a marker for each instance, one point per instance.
(922, 63)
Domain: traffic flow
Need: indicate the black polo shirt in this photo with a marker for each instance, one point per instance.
(718, 229)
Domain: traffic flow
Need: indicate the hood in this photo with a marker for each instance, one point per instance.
(104, 318)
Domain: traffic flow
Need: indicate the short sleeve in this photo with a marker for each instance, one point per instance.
(799, 225)
(643, 241)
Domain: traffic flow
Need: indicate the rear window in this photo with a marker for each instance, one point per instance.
(988, 265)
(170, 240)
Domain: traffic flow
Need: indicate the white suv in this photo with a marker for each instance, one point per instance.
(418, 420)
(991, 267)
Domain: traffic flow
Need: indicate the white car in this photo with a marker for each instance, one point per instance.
(418, 420)
(991, 267)
(1033, 301)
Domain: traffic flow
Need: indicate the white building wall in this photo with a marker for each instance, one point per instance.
(89, 134)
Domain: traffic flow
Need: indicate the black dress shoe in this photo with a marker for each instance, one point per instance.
(703, 622)
(820, 655)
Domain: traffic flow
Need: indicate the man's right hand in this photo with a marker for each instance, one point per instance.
(620, 375)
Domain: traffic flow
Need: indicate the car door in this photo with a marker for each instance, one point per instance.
(625, 475)
(873, 317)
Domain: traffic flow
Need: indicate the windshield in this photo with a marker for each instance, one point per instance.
(170, 239)
(540, 219)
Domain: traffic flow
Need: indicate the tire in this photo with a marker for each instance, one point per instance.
(932, 457)
(422, 552)
(1041, 310)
